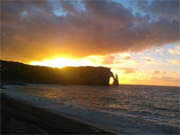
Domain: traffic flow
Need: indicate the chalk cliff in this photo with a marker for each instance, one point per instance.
(19, 72)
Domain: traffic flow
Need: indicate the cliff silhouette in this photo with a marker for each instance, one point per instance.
(19, 72)
(116, 80)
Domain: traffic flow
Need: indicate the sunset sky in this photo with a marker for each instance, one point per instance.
(138, 39)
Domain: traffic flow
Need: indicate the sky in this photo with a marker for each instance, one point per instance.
(138, 39)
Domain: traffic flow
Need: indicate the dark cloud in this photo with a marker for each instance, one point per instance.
(109, 13)
(162, 8)
(37, 29)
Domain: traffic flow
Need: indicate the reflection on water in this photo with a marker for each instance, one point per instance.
(160, 104)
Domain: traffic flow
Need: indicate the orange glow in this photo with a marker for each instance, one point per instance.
(60, 62)
(144, 76)
(63, 62)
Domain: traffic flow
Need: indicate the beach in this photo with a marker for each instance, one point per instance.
(22, 118)
(119, 110)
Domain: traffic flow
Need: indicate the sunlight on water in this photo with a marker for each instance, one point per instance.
(158, 105)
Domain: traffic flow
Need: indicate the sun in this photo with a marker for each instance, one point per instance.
(63, 62)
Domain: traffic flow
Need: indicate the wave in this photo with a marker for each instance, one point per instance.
(120, 122)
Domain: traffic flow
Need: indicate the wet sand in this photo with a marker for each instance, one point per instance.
(22, 118)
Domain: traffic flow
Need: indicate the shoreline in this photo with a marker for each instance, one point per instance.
(99, 119)
(22, 118)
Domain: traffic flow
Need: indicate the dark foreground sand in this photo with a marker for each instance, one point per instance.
(23, 118)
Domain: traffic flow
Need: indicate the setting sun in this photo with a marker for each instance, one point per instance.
(63, 62)
(90, 66)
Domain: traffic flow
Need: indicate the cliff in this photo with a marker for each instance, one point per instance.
(19, 72)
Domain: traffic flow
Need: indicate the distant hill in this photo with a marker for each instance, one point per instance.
(19, 72)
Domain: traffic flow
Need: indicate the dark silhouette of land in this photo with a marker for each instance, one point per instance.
(15, 72)
(116, 80)
(22, 118)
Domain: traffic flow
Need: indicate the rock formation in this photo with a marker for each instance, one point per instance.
(116, 80)
(18, 72)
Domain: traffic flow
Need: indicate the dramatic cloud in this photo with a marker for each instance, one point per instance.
(40, 29)
(161, 8)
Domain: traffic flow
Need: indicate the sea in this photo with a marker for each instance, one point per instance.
(123, 109)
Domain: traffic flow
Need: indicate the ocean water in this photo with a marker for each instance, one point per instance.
(125, 109)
